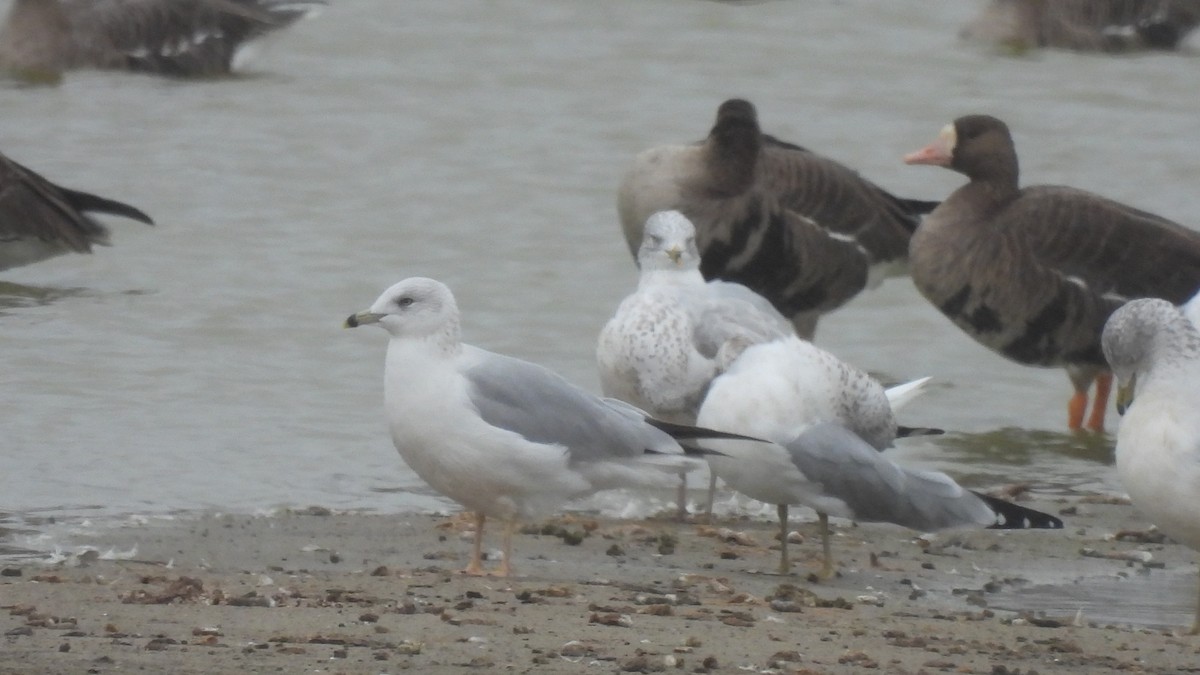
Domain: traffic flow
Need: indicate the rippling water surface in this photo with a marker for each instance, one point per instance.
(200, 364)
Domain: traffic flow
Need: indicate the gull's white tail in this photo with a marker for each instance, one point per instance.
(899, 395)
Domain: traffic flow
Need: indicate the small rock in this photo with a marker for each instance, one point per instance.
(611, 619)
(409, 648)
(641, 663)
(159, 644)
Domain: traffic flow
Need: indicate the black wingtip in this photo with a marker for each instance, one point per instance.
(83, 201)
(918, 207)
(1015, 517)
(909, 432)
(912, 210)
(681, 432)
(690, 450)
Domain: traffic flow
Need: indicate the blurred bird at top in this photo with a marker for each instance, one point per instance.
(803, 231)
(40, 220)
(1084, 25)
(40, 39)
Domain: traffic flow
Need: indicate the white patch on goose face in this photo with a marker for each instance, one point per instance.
(948, 138)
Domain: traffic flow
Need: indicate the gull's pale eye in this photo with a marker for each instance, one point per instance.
(405, 301)
(655, 241)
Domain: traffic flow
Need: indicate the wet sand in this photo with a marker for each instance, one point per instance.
(315, 591)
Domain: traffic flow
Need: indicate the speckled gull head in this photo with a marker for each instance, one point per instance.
(1143, 335)
(668, 243)
(414, 308)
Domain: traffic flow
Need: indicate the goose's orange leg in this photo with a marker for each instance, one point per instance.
(1100, 402)
(1076, 407)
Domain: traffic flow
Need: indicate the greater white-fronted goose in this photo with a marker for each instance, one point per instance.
(1033, 273)
(40, 220)
(802, 230)
(180, 38)
(1085, 25)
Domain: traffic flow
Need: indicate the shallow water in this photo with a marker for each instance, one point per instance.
(200, 364)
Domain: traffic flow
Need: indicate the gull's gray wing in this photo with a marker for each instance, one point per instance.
(542, 406)
(723, 311)
(876, 489)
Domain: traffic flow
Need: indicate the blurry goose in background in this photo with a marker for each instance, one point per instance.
(40, 220)
(1085, 25)
(1033, 273)
(181, 38)
(804, 231)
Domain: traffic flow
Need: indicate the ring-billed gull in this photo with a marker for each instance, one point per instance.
(802, 230)
(828, 421)
(666, 340)
(40, 220)
(1033, 272)
(1154, 351)
(503, 437)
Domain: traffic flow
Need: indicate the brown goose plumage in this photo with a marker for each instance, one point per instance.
(1033, 273)
(40, 220)
(180, 38)
(1085, 25)
(802, 230)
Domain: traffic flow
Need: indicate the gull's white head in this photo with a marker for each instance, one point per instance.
(669, 243)
(416, 307)
(1143, 335)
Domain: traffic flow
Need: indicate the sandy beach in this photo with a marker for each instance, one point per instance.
(316, 591)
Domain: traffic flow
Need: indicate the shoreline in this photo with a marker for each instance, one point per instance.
(317, 591)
